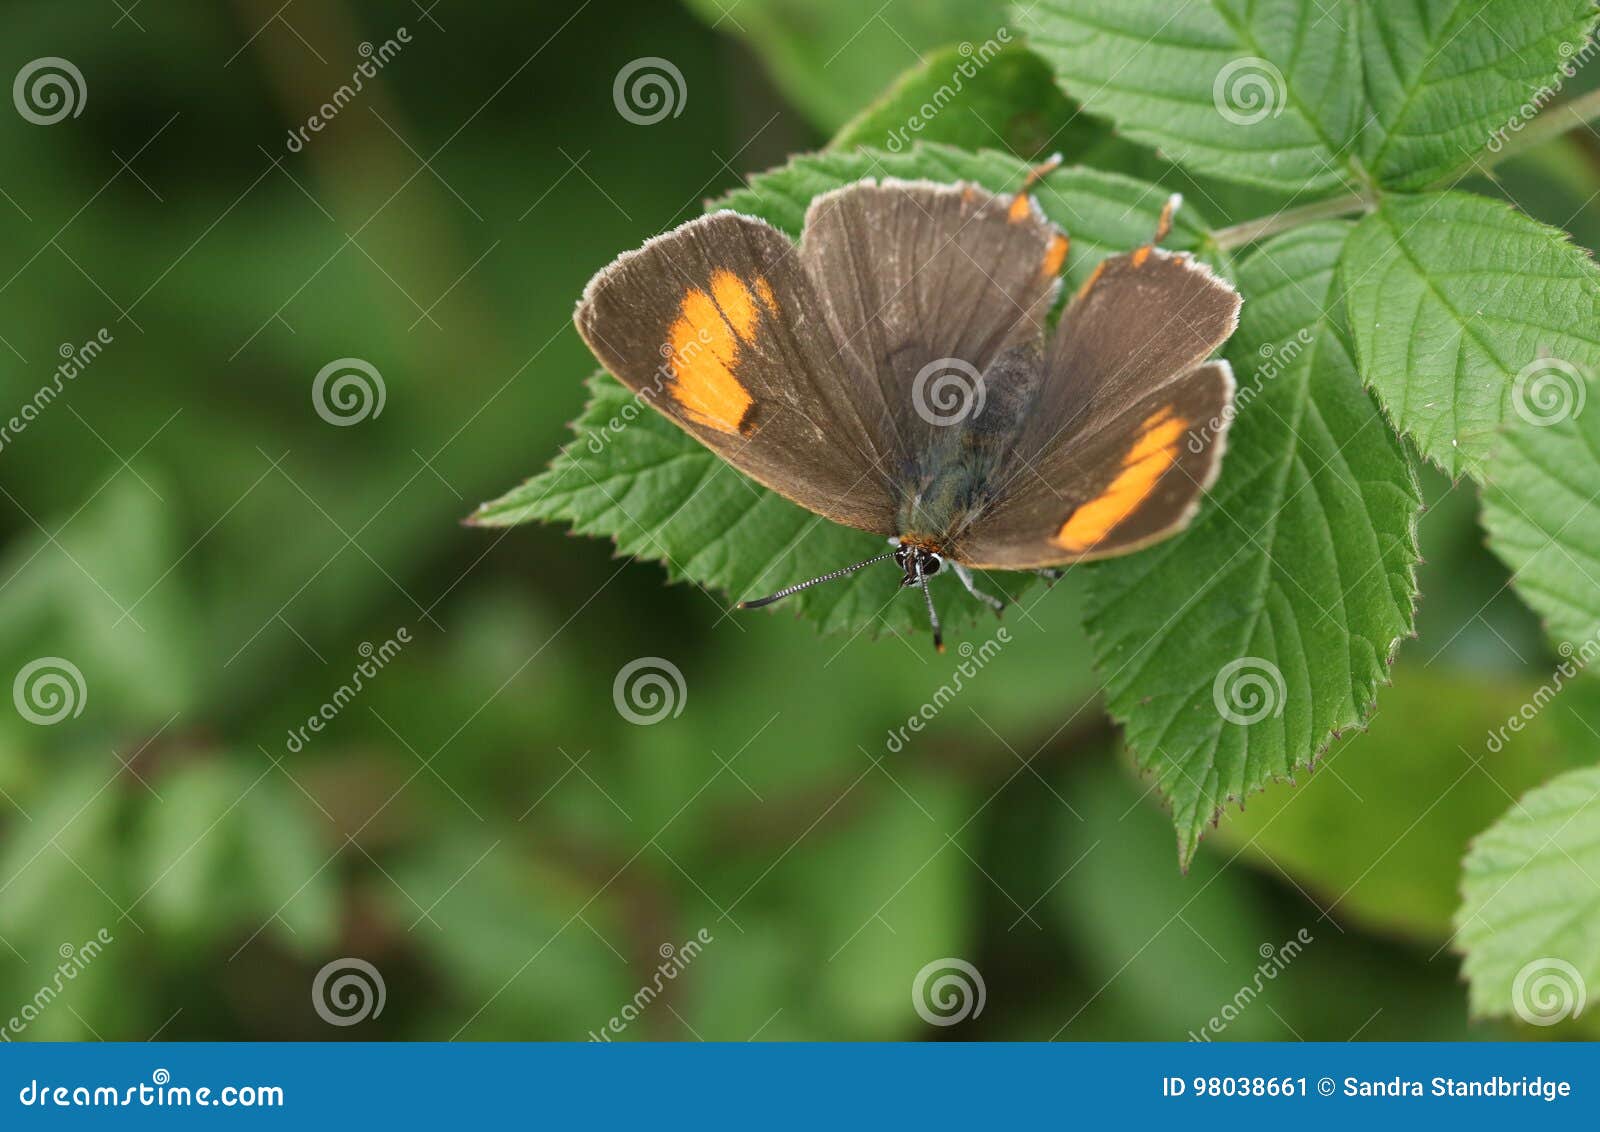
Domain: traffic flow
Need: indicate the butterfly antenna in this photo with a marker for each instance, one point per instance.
(1168, 210)
(1020, 206)
(787, 590)
(1041, 171)
(933, 614)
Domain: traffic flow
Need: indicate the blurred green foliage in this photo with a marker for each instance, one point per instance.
(479, 823)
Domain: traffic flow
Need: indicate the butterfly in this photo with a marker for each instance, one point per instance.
(896, 371)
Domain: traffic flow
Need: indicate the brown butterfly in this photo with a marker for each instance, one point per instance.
(894, 371)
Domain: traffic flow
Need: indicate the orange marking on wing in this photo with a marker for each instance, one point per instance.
(1099, 270)
(1141, 255)
(1055, 255)
(704, 351)
(1020, 209)
(737, 302)
(764, 289)
(1150, 458)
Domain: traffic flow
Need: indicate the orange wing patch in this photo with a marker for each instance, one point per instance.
(1151, 456)
(1094, 277)
(703, 349)
(1054, 256)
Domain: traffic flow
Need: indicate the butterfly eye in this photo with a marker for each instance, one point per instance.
(931, 564)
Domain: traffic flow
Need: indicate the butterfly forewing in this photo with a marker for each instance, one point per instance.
(716, 325)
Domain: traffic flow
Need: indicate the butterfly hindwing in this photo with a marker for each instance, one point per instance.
(1135, 479)
(1128, 428)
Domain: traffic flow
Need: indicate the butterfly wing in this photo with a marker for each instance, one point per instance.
(714, 324)
(1130, 423)
(924, 283)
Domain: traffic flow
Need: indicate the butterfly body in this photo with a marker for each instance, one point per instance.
(894, 371)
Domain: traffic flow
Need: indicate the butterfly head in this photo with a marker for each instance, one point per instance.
(917, 561)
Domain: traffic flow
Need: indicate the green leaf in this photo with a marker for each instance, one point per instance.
(829, 57)
(1307, 95)
(1541, 507)
(1530, 902)
(1234, 653)
(633, 476)
(1266, 93)
(974, 97)
(1377, 832)
(1447, 79)
(1451, 297)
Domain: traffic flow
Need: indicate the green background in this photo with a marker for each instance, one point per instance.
(480, 823)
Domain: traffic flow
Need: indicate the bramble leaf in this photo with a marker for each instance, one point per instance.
(976, 97)
(1447, 79)
(1541, 503)
(1376, 833)
(1451, 297)
(1236, 652)
(1269, 96)
(1530, 902)
(1309, 95)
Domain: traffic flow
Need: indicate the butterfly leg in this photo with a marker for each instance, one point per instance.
(990, 600)
(1051, 575)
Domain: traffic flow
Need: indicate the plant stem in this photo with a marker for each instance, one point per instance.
(1238, 235)
(1551, 123)
(1548, 125)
